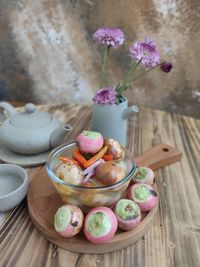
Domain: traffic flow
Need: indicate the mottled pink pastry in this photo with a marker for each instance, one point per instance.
(100, 225)
(144, 195)
(128, 214)
(89, 142)
(68, 220)
(143, 175)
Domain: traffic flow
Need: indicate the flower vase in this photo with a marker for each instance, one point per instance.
(111, 120)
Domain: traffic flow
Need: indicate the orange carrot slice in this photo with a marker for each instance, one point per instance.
(107, 157)
(65, 160)
(79, 157)
(96, 157)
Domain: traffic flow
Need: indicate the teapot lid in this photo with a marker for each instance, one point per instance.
(30, 118)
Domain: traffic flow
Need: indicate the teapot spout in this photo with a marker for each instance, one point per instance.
(57, 137)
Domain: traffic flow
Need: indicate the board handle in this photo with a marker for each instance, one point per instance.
(159, 156)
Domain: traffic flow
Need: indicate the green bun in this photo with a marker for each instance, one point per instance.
(91, 134)
(140, 174)
(98, 224)
(62, 218)
(142, 193)
(127, 209)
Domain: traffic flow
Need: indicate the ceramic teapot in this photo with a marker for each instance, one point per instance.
(30, 131)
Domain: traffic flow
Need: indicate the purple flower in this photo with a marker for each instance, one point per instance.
(145, 51)
(166, 67)
(109, 36)
(105, 95)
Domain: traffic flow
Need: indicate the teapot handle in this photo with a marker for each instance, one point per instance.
(8, 108)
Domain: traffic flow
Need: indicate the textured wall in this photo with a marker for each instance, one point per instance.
(47, 54)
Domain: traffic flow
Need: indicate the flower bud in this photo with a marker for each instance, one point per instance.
(166, 67)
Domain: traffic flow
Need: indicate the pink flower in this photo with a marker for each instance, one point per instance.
(109, 36)
(146, 52)
(105, 95)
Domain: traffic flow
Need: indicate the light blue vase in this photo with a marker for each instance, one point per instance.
(111, 120)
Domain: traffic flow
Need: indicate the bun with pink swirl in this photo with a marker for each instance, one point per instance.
(89, 142)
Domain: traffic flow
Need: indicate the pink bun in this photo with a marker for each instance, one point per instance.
(73, 217)
(68, 232)
(126, 222)
(128, 226)
(89, 142)
(108, 236)
(147, 179)
(147, 204)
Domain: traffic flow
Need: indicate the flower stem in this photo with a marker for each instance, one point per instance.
(102, 72)
(143, 73)
(126, 82)
(131, 71)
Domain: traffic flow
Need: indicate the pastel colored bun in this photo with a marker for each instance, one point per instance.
(100, 225)
(144, 195)
(68, 220)
(143, 175)
(128, 214)
(89, 142)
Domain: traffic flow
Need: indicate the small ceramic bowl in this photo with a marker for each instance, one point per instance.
(13, 186)
(87, 197)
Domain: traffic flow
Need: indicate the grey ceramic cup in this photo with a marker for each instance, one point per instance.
(13, 186)
(111, 120)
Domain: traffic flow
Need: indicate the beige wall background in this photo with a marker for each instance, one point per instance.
(47, 54)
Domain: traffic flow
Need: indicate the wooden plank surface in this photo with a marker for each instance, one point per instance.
(174, 237)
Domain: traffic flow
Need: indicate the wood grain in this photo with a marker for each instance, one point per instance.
(159, 156)
(174, 237)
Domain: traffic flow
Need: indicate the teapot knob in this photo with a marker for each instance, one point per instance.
(30, 108)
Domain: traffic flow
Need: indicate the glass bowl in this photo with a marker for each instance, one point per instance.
(88, 197)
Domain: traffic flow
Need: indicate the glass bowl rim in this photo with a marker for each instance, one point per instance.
(52, 175)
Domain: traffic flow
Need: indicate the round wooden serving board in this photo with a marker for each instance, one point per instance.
(43, 201)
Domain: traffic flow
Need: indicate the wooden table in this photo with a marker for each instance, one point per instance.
(174, 237)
